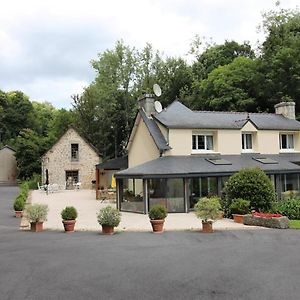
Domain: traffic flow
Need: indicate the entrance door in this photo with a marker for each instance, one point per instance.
(72, 177)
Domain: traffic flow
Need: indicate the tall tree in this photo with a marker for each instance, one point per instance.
(230, 87)
(280, 57)
(16, 113)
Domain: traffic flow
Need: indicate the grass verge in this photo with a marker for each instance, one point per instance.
(294, 224)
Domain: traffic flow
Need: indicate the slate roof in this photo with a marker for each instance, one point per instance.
(155, 132)
(198, 165)
(177, 115)
(8, 147)
(119, 163)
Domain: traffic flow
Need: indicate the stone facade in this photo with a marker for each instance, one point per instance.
(70, 157)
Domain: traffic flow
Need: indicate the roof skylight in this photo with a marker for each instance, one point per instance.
(219, 161)
(265, 160)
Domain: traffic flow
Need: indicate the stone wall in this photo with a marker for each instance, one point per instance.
(58, 160)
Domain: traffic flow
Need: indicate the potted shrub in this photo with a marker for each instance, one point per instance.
(37, 214)
(108, 217)
(69, 215)
(19, 205)
(209, 210)
(238, 208)
(157, 215)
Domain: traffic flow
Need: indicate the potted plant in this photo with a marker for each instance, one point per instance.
(157, 215)
(108, 217)
(209, 210)
(37, 214)
(238, 208)
(69, 215)
(19, 205)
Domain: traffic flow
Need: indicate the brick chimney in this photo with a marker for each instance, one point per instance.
(147, 103)
(287, 109)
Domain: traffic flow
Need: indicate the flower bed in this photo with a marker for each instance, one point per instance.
(266, 220)
(266, 215)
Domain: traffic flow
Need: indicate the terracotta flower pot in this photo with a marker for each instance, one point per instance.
(157, 225)
(69, 225)
(207, 227)
(18, 213)
(36, 226)
(238, 218)
(108, 230)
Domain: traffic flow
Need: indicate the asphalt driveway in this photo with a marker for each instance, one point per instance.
(250, 264)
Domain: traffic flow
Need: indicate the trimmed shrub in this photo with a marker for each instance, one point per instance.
(158, 212)
(19, 204)
(239, 206)
(69, 213)
(37, 212)
(289, 208)
(109, 216)
(251, 184)
(208, 208)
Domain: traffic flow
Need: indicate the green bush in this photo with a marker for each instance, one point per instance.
(239, 206)
(24, 187)
(158, 212)
(289, 208)
(109, 216)
(37, 212)
(250, 184)
(19, 204)
(69, 213)
(208, 208)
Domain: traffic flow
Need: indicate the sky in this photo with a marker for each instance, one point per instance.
(46, 46)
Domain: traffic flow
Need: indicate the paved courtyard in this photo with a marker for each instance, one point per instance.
(88, 207)
(230, 264)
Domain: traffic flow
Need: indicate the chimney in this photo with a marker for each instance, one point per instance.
(147, 103)
(287, 109)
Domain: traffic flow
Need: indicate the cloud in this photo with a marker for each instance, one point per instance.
(46, 46)
(58, 91)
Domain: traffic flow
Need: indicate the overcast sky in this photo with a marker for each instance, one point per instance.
(46, 45)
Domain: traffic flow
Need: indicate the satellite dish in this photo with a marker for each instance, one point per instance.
(158, 106)
(156, 90)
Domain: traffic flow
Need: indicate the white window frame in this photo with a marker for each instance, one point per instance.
(244, 139)
(205, 134)
(289, 147)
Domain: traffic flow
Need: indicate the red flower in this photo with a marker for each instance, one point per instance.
(266, 215)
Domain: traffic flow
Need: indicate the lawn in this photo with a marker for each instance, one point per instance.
(294, 224)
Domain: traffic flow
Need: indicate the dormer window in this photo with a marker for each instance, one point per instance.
(286, 141)
(202, 142)
(74, 152)
(247, 142)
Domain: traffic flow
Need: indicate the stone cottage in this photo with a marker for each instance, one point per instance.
(8, 166)
(71, 160)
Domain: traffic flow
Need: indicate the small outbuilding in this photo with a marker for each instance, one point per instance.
(70, 162)
(8, 166)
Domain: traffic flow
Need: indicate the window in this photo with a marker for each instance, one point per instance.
(286, 141)
(202, 142)
(247, 141)
(74, 152)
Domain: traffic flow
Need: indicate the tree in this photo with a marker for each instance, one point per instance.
(16, 109)
(230, 87)
(40, 117)
(29, 148)
(218, 55)
(280, 57)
